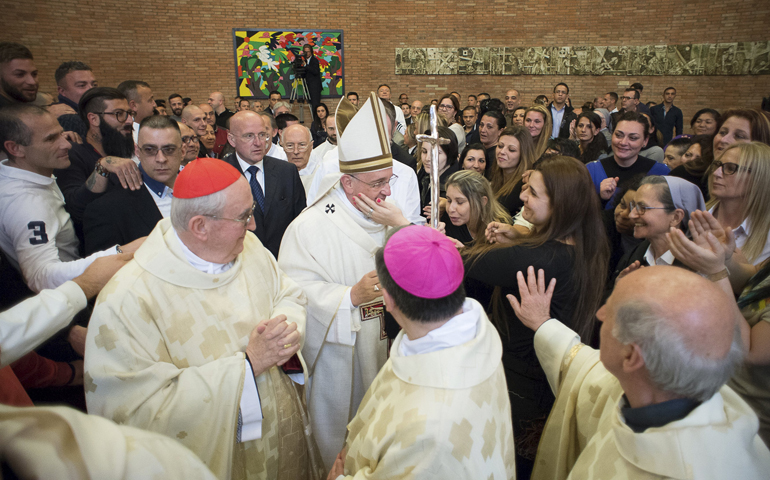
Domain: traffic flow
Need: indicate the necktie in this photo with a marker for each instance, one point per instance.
(256, 189)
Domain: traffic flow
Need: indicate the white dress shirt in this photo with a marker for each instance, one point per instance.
(260, 173)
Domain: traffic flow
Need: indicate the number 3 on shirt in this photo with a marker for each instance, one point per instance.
(39, 236)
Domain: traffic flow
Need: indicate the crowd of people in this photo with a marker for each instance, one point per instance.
(260, 297)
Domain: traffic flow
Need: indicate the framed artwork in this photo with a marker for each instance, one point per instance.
(743, 58)
(264, 60)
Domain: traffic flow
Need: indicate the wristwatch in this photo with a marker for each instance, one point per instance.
(100, 170)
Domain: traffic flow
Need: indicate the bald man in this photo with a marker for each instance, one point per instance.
(512, 102)
(217, 102)
(279, 195)
(652, 402)
(194, 118)
(297, 143)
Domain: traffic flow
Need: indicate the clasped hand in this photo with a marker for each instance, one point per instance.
(272, 343)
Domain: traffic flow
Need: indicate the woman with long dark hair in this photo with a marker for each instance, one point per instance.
(569, 243)
(587, 132)
(515, 155)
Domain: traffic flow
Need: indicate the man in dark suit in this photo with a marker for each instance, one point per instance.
(275, 184)
(313, 76)
(123, 215)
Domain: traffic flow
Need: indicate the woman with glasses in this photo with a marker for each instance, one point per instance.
(737, 125)
(628, 139)
(448, 107)
(739, 185)
(190, 144)
(660, 204)
(209, 140)
(568, 242)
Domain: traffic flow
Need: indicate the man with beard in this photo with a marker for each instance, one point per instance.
(220, 132)
(122, 216)
(18, 74)
(176, 104)
(103, 161)
(331, 137)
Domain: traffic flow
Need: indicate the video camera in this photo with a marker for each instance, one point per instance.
(300, 66)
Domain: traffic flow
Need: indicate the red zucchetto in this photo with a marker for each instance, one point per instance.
(204, 176)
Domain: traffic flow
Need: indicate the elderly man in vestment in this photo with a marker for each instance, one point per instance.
(439, 408)
(652, 403)
(329, 251)
(197, 337)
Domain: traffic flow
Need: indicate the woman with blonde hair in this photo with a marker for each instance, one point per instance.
(515, 155)
(739, 187)
(537, 119)
(470, 207)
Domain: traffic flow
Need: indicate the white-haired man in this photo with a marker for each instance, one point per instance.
(297, 143)
(196, 337)
(329, 250)
(652, 403)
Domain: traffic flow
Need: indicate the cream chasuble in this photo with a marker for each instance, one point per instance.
(326, 250)
(586, 436)
(165, 352)
(59, 442)
(438, 415)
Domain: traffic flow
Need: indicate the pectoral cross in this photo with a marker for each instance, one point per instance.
(435, 185)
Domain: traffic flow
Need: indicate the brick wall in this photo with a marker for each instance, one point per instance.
(186, 46)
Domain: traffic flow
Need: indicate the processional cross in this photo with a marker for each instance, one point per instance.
(435, 141)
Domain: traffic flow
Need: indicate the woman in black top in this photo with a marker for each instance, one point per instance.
(515, 155)
(568, 242)
(592, 143)
(470, 207)
(447, 165)
(318, 127)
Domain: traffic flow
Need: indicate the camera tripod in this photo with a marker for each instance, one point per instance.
(301, 98)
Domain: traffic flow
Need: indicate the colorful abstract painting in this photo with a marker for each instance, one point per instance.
(263, 60)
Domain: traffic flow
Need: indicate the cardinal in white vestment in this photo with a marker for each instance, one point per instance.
(652, 403)
(198, 337)
(329, 251)
(439, 408)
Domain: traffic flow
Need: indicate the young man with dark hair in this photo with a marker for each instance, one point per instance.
(420, 274)
(140, 100)
(103, 161)
(18, 74)
(561, 113)
(611, 101)
(176, 104)
(73, 79)
(667, 117)
(353, 97)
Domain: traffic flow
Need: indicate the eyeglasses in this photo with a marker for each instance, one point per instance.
(301, 147)
(378, 184)
(641, 208)
(446, 107)
(189, 138)
(627, 98)
(152, 150)
(249, 137)
(242, 221)
(120, 115)
(729, 168)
